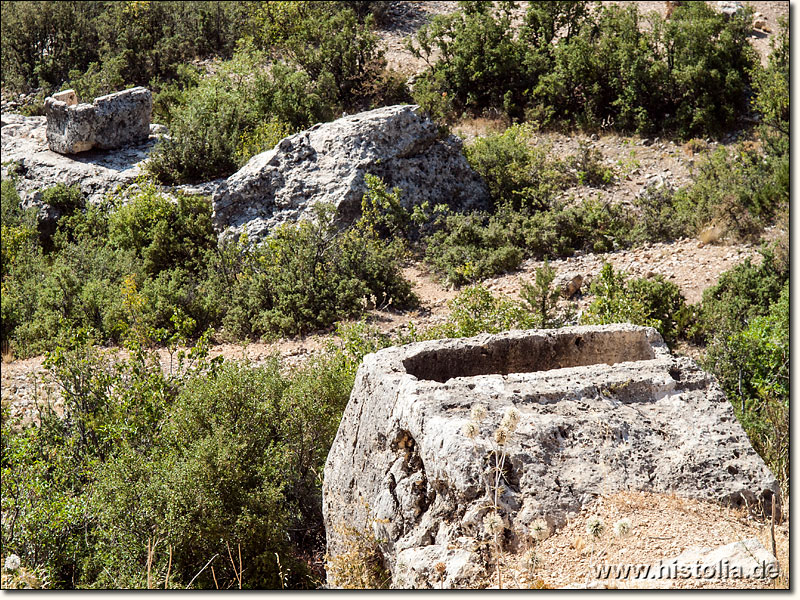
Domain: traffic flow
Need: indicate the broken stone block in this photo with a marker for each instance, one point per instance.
(602, 409)
(69, 97)
(111, 121)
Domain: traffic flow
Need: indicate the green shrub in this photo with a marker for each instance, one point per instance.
(752, 365)
(651, 302)
(470, 247)
(329, 43)
(323, 61)
(740, 192)
(742, 294)
(190, 461)
(480, 63)
(475, 310)
(164, 233)
(771, 99)
(205, 131)
(662, 216)
(104, 46)
(264, 137)
(589, 168)
(18, 228)
(306, 276)
(591, 66)
(519, 174)
(542, 299)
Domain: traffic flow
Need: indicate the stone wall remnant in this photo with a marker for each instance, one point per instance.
(111, 121)
(602, 409)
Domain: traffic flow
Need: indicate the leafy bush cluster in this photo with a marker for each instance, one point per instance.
(595, 66)
(151, 261)
(307, 276)
(148, 475)
(323, 59)
(100, 47)
(653, 302)
(745, 324)
(735, 195)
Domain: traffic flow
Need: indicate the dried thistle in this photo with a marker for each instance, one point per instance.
(622, 528)
(511, 418)
(478, 413)
(493, 523)
(470, 430)
(501, 435)
(595, 527)
(540, 530)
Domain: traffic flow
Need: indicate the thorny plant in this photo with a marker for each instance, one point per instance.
(595, 528)
(493, 482)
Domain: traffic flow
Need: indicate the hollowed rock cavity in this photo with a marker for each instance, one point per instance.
(603, 409)
(530, 354)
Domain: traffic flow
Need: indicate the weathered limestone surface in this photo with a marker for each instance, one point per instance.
(604, 409)
(111, 121)
(327, 163)
(35, 167)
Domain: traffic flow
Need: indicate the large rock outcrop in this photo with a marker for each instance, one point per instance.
(34, 167)
(603, 409)
(110, 122)
(327, 163)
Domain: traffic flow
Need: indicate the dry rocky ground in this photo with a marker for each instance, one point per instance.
(663, 526)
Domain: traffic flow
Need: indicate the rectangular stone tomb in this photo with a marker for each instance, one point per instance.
(112, 121)
(601, 409)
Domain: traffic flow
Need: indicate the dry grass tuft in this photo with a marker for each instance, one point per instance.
(361, 567)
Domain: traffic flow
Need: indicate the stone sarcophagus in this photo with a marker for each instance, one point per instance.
(597, 409)
(111, 121)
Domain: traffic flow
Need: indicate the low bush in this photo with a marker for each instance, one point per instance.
(541, 299)
(520, 175)
(744, 320)
(324, 61)
(651, 302)
(147, 260)
(597, 66)
(101, 47)
(147, 469)
(163, 232)
(469, 247)
(260, 139)
(306, 276)
(475, 310)
(752, 365)
(743, 293)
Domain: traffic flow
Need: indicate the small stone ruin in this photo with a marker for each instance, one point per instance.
(111, 121)
(603, 409)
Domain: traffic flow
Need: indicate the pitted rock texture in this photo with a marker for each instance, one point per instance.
(327, 163)
(603, 409)
(111, 121)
